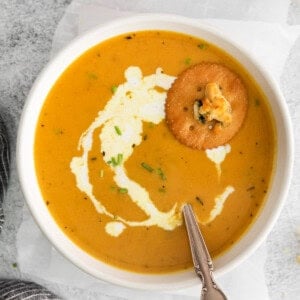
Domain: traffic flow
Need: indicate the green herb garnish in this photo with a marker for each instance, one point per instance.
(119, 158)
(118, 130)
(123, 190)
(58, 131)
(14, 265)
(147, 167)
(161, 174)
(202, 46)
(92, 76)
(116, 161)
(187, 61)
(114, 88)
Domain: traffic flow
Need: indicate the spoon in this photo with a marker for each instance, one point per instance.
(201, 258)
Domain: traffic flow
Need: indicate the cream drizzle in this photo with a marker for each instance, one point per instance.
(218, 155)
(219, 204)
(114, 228)
(134, 102)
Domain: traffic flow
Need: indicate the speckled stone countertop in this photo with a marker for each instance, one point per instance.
(26, 31)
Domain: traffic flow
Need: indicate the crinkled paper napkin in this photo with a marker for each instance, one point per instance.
(268, 42)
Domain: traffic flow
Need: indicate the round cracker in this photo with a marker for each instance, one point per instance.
(189, 87)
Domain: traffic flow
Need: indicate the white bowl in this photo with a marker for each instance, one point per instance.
(25, 154)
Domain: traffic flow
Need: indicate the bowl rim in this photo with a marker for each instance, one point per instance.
(29, 108)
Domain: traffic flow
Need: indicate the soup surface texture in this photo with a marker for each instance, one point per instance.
(114, 177)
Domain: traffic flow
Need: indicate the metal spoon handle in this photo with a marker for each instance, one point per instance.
(202, 261)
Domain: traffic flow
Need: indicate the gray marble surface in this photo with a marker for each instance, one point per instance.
(26, 31)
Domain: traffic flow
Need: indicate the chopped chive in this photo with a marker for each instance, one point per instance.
(58, 131)
(187, 61)
(14, 265)
(123, 190)
(202, 46)
(147, 167)
(161, 174)
(92, 76)
(118, 130)
(120, 158)
(114, 89)
(116, 161)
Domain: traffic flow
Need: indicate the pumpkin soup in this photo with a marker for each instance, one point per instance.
(112, 173)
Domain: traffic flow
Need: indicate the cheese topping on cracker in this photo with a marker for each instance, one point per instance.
(215, 106)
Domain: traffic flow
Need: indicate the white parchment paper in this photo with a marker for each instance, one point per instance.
(268, 42)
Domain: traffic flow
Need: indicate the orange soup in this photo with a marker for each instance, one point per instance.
(114, 177)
